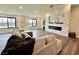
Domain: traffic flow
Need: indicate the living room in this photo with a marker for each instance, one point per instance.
(35, 17)
(55, 23)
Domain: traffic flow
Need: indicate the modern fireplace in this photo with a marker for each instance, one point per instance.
(55, 28)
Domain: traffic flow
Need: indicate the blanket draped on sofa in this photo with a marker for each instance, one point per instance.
(19, 46)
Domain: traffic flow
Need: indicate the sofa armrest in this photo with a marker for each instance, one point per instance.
(49, 49)
(59, 45)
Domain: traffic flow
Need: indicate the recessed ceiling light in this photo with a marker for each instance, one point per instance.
(20, 7)
(47, 14)
(36, 11)
(1, 12)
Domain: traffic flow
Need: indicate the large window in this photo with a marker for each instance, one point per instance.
(11, 22)
(7, 22)
(32, 23)
(3, 22)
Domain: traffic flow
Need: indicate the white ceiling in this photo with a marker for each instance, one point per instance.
(29, 9)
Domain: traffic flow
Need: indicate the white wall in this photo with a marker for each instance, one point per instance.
(64, 18)
(23, 22)
(40, 23)
(4, 31)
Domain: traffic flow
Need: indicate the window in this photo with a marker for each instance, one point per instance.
(7, 22)
(32, 22)
(11, 22)
(3, 22)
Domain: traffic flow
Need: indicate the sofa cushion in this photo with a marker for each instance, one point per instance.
(39, 43)
(26, 36)
(17, 33)
(49, 38)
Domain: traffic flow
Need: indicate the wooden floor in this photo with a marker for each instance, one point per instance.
(71, 48)
(38, 33)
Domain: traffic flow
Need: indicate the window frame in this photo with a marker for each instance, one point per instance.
(8, 22)
(32, 22)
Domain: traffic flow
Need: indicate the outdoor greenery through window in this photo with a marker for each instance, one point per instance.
(8, 22)
(32, 23)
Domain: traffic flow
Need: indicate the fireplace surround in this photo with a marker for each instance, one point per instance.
(55, 28)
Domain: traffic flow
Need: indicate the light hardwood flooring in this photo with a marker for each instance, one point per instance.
(71, 48)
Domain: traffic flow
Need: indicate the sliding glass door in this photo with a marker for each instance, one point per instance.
(9, 22)
(3, 22)
(32, 23)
